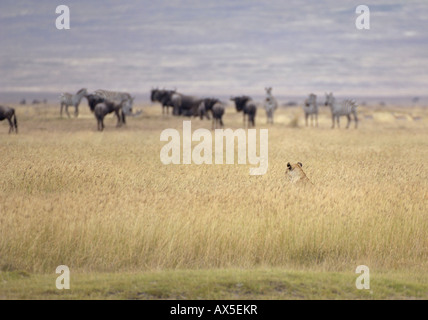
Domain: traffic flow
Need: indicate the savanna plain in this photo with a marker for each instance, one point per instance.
(130, 227)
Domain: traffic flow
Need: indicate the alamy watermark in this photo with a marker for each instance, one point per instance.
(363, 281)
(63, 20)
(63, 281)
(363, 20)
(178, 150)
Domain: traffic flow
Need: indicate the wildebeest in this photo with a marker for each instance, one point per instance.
(310, 107)
(154, 95)
(247, 106)
(93, 100)
(9, 114)
(120, 97)
(206, 106)
(270, 105)
(217, 113)
(164, 97)
(68, 99)
(344, 108)
(104, 108)
(185, 105)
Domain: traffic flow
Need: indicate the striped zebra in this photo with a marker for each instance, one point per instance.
(67, 99)
(310, 108)
(344, 108)
(117, 96)
(270, 105)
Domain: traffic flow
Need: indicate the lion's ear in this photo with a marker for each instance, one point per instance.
(300, 164)
(289, 165)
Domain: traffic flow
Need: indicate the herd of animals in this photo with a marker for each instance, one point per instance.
(193, 106)
(104, 102)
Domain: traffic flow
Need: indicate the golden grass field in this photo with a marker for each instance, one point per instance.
(102, 202)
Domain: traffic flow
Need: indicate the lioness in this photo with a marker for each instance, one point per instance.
(295, 173)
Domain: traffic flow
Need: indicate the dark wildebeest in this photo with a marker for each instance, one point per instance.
(9, 114)
(247, 106)
(154, 96)
(218, 112)
(185, 105)
(118, 96)
(206, 106)
(93, 100)
(164, 97)
(104, 108)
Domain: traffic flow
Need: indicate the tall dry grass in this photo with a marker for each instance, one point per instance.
(105, 202)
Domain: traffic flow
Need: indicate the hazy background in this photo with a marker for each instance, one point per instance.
(218, 48)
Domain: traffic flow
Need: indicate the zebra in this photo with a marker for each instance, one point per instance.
(310, 107)
(270, 105)
(68, 99)
(345, 108)
(9, 114)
